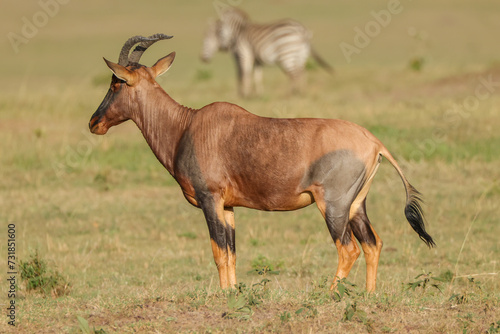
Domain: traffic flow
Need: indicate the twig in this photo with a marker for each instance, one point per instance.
(474, 275)
(476, 214)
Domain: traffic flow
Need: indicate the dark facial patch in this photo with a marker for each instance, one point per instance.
(341, 175)
(105, 104)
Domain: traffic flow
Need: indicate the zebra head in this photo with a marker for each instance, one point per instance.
(211, 41)
(232, 22)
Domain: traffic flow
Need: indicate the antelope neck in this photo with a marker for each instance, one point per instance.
(162, 122)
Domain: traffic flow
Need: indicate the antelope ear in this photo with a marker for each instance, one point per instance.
(163, 64)
(121, 72)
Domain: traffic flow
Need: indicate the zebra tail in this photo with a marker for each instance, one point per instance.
(321, 61)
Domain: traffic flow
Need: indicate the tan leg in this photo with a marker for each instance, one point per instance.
(221, 234)
(348, 254)
(231, 247)
(220, 258)
(369, 240)
(372, 255)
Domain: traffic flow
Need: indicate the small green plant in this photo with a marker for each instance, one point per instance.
(466, 322)
(416, 63)
(203, 75)
(311, 65)
(39, 133)
(38, 277)
(240, 303)
(285, 316)
(494, 327)
(101, 180)
(255, 242)
(262, 266)
(446, 276)
(464, 297)
(256, 294)
(318, 293)
(459, 298)
(307, 310)
(85, 328)
(197, 297)
(238, 308)
(423, 281)
(344, 288)
(475, 284)
(351, 312)
(187, 235)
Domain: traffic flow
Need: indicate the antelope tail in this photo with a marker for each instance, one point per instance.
(413, 210)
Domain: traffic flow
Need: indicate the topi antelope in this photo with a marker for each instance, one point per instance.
(223, 156)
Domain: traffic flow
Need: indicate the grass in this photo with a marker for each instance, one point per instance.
(108, 219)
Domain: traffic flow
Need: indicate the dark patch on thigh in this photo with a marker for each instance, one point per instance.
(361, 226)
(336, 220)
(362, 230)
(341, 175)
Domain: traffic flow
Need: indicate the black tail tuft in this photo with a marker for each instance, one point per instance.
(415, 216)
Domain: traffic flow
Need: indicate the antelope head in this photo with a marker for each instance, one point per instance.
(130, 83)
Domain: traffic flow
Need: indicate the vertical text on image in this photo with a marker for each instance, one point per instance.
(11, 274)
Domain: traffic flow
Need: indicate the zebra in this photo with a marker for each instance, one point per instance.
(286, 43)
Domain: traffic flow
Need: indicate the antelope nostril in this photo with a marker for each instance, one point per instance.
(93, 122)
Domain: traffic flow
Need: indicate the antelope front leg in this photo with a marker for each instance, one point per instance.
(221, 238)
(231, 246)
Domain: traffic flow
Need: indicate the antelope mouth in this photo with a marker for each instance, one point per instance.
(97, 126)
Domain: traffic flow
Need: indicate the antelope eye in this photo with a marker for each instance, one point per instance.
(116, 86)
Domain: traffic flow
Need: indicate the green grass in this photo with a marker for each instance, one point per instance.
(104, 214)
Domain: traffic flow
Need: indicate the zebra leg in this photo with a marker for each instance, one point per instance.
(297, 77)
(245, 64)
(257, 79)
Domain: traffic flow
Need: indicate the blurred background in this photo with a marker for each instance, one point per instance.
(70, 41)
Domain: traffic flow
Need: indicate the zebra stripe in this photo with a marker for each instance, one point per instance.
(285, 43)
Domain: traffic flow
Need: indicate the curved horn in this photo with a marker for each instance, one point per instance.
(135, 56)
(123, 59)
